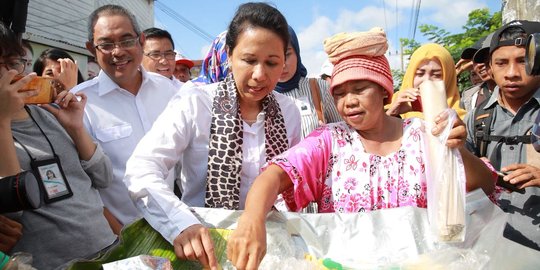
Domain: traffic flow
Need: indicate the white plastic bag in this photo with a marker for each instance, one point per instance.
(444, 169)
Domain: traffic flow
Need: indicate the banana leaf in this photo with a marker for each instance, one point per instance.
(139, 238)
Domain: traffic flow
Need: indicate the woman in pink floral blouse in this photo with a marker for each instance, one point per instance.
(368, 162)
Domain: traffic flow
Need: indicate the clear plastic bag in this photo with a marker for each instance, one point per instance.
(446, 188)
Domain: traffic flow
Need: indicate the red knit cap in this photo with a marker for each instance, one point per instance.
(361, 67)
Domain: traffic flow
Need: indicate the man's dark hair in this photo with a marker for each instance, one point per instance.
(512, 33)
(257, 15)
(158, 33)
(110, 10)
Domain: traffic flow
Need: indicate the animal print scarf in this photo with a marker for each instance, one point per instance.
(225, 144)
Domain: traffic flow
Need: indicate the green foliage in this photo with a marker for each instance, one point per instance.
(479, 24)
(397, 75)
(409, 45)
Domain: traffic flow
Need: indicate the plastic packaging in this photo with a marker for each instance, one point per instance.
(282, 252)
(18, 261)
(445, 170)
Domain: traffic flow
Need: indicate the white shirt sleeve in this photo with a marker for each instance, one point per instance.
(148, 167)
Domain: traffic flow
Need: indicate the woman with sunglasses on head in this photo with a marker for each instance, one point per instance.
(222, 133)
(70, 223)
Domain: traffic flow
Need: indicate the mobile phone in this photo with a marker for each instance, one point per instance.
(43, 85)
(507, 185)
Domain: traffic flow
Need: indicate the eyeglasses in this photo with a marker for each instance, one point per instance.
(169, 55)
(17, 64)
(108, 47)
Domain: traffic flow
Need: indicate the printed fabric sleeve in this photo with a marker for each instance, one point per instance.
(148, 167)
(98, 168)
(494, 196)
(307, 165)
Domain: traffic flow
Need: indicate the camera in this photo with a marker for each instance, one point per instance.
(19, 192)
(43, 85)
(532, 55)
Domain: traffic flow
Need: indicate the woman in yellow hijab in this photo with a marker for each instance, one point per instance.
(429, 62)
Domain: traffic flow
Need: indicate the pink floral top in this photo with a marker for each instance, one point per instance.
(331, 167)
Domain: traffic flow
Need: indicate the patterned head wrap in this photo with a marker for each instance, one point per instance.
(214, 66)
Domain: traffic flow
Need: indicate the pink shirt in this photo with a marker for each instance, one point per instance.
(331, 167)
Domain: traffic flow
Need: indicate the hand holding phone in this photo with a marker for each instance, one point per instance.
(506, 184)
(45, 89)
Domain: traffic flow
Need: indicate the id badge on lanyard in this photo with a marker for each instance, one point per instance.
(52, 179)
(53, 182)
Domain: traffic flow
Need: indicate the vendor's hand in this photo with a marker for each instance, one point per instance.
(462, 65)
(11, 100)
(458, 133)
(247, 245)
(10, 233)
(67, 75)
(195, 243)
(522, 175)
(70, 114)
(402, 103)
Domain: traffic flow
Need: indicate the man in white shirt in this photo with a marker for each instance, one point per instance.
(123, 100)
(159, 54)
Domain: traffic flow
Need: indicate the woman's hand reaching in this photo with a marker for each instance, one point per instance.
(402, 104)
(67, 78)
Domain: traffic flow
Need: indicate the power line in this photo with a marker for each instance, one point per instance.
(411, 18)
(416, 18)
(384, 12)
(185, 22)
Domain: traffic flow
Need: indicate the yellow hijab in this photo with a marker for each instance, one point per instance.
(428, 52)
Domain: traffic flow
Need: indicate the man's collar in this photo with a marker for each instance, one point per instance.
(495, 96)
(106, 85)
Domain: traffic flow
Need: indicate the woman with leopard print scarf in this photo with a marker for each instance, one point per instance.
(222, 134)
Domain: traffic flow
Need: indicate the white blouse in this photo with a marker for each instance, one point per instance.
(181, 133)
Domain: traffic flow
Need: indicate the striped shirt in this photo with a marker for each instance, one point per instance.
(304, 102)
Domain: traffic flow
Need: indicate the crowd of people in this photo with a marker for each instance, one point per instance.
(141, 138)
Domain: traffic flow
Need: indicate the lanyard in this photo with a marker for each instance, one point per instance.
(41, 130)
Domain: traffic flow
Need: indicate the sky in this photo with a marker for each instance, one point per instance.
(316, 20)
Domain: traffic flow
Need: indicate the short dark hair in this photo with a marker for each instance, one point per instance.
(110, 10)
(53, 54)
(9, 44)
(257, 15)
(158, 33)
(512, 33)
